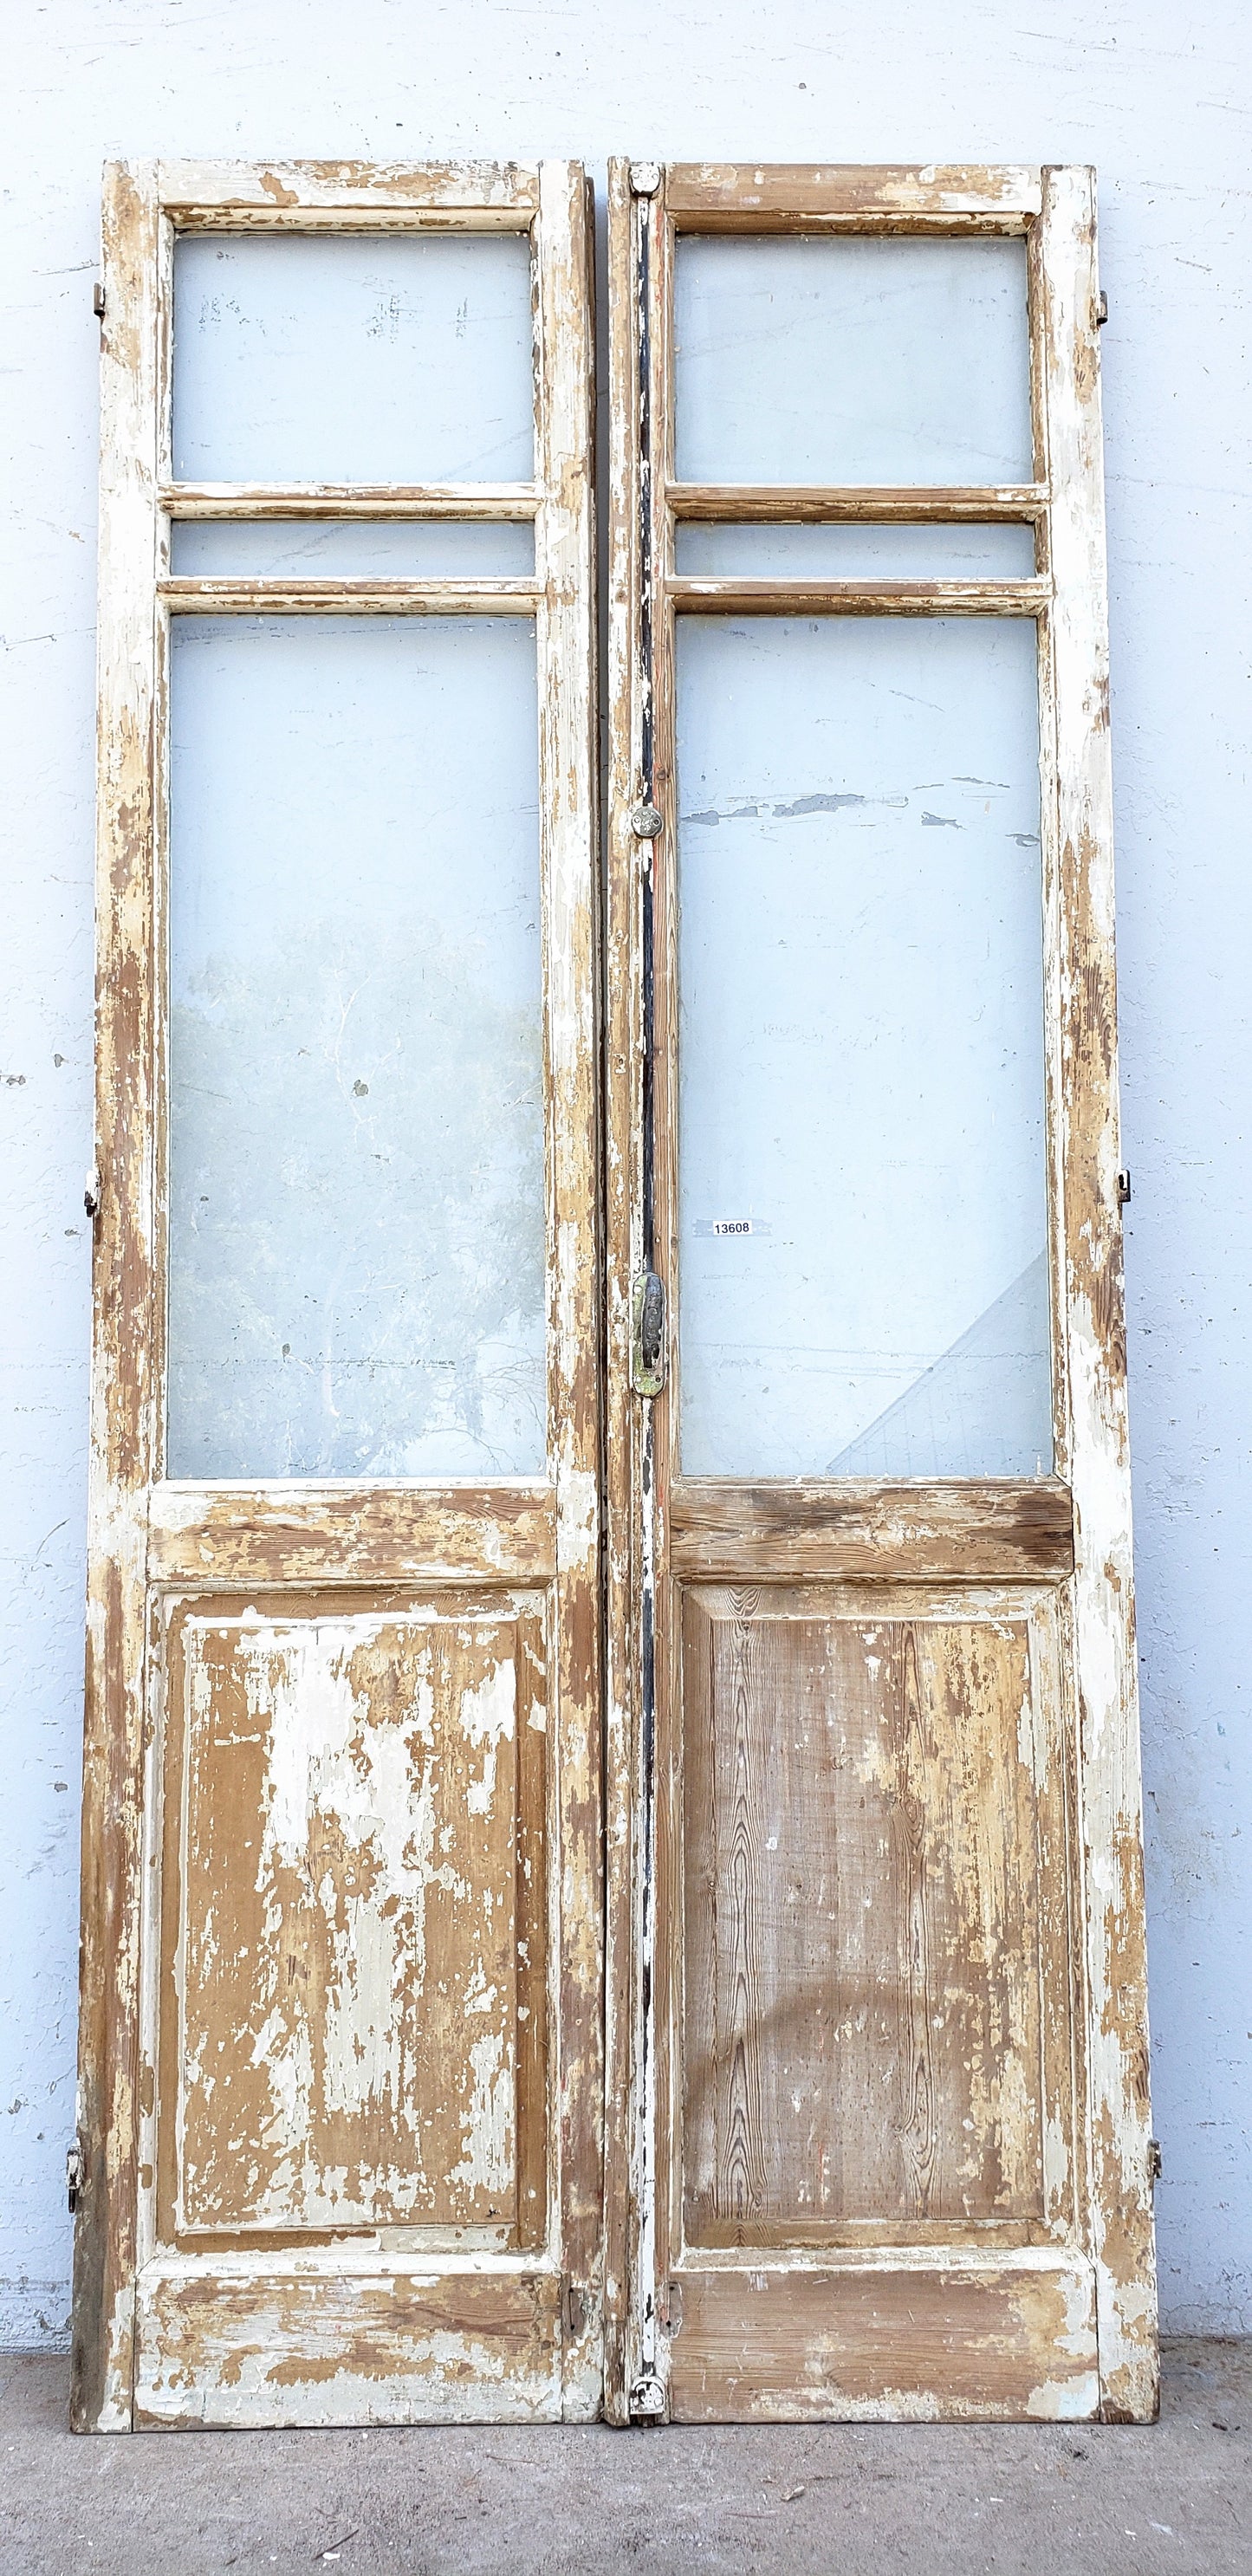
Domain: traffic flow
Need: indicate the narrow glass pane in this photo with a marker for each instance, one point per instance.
(1000, 552)
(362, 358)
(861, 1157)
(353, 549)
(852, 359)
(356, 1259)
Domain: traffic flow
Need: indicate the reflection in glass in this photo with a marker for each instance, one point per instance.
(356, 1232)
(862, 1203)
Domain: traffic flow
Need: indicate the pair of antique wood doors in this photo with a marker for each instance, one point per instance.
(612, 1848)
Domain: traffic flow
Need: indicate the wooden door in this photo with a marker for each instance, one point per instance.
(877, 2041)
(340, 2079)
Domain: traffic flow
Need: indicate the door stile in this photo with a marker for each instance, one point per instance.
(622, 1021)
(1094, 1311)
(567, 699)
(122, 1191)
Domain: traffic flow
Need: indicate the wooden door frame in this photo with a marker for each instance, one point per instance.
(1054, 208)
(143, 1532)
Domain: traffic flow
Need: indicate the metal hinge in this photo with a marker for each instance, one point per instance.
(1156, 2162)
(73, 2175)
(647, 1339)
(1101, 310)
(97, 300)
(1123, 1187)
(91, 1194)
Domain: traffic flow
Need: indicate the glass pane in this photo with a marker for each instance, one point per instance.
(356, 1263)
(996, 553)
(366, 358)
(852, 359)
(354, 549)
(861, 1154)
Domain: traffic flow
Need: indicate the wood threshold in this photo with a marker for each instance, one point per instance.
(821, 503)
(350, 500)
(1001, 1530)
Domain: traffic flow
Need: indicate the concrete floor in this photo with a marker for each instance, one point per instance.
(1074, 2500)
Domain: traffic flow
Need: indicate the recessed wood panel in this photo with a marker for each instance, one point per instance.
(864, 1918)
(897, 2346)
(354, 1917)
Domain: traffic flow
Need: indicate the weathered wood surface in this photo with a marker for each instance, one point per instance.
(278, 595)
(123, 1390)
(313, 1998)
(254, 2347)
(945, 2343)
(900, 505)
(1004, 1529)
(1092, 1306)
(741, 597)
(276, 1534)
(711, 196)
(472, 195)
(353, 1938)
(350, 500)
(867, 1938)
(994, 1933)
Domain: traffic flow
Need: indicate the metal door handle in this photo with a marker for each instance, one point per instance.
(647, 1346)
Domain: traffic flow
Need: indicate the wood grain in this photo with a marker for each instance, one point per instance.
(279, 596)
(350, 500)
(867, 1940)
(340, 1994)
(899, 2346)
(1006, 1529)
(816, 504)
(738, 597)
(791, 197)
(275, 1534)
(256, 2346)
(513, 1936)
(1096, 1431)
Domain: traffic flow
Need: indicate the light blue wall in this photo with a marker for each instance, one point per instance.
(1162, 102)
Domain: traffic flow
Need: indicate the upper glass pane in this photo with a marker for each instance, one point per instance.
(353, 358)
(353, 549)
(1000, 552)
(862, 1199)
(356, 1228)
(853, 358)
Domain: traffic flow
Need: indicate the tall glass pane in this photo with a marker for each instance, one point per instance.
(862, 1194)
(852, 358)
(358, 358)
(356, 1253)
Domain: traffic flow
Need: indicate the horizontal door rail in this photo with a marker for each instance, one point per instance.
(470, 195)
(350, 500)
(816, 503)
(778, 598)
(353, 598)
(208, 1535)
(999, 1529)
(709, 196)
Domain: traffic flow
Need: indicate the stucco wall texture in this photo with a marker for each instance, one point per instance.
(1161, 101)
